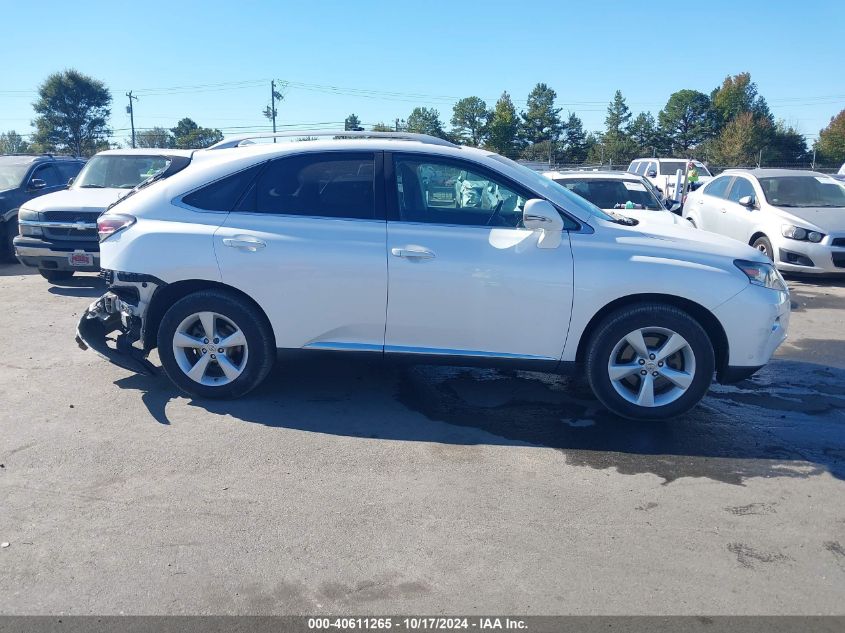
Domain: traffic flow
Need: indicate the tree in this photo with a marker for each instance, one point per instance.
(786, 145)
(188, 135)
(541, 122)
(470, 117)
(618, 146)
(381, 126)
(73, 112)
(736, 95)
(154, 137)
(831, 142)
(12, 143)
(645, 135)
(352, 123)
(573, 146)
(503, 131)
(740, 142)
(425, 121)
(687, 120)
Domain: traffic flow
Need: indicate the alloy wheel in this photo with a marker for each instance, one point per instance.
(210, 349)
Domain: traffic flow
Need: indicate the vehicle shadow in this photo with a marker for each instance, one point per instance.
(87, 286)
(764, 427)
(15, 269)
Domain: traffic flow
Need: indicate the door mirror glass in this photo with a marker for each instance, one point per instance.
(541, 215)
(747, 201)
(37, 183)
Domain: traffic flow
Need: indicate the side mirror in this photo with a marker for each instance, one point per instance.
(70, 181)
(652, 174)
(747, 201)
(673, 205)
(541, 215)
(37, 183)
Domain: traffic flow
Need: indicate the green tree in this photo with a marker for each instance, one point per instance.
(154, 137)
(740, 142)
(73, 112)
(786, 145)
(830, 145)
(573, 144)
(353, 123)
(188, 135)
(12, 143)
(425, 121)
(646, 135)
(541, 121)
(470, 117)
(381, 126)
(736, 95)
(503, 131)
(687, 120)
(617, 143)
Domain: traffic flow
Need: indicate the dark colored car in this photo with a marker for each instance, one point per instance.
(24, 177)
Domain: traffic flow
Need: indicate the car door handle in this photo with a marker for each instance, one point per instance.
(412, 253)
(245, 243)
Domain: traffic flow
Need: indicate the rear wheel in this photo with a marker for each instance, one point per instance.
(214, 345)
(763, 245)
(650, 362)
(55, 275)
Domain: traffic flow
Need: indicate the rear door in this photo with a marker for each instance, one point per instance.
(709, 205)
(465, 277)
(307, 242)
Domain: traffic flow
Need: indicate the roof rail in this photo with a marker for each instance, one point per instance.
(235, 141)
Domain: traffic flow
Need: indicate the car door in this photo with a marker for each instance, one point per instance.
(49, 176)
(307, 243)
(465, 278)
(709, 205)
(736, 219)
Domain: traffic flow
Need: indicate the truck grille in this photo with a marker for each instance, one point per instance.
(71, 235)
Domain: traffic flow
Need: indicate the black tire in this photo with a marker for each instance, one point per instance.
(248, 318)
(55, 275)
(692, 223)
(615, 327)
(763, 245)
(7, 248)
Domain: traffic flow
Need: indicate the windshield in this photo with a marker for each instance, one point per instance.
(803, 191)
(607, 193)
(119, 172)
(549, 186)
(12, 171)
(671, 167)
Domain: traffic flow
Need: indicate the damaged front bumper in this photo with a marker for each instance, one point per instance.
(121, 310)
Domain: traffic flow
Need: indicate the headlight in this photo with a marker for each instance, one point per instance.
(761, 274)
(25, 215)
(798, 233)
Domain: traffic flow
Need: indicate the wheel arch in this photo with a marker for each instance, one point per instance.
(757, 235)
(712, 326)
(168, 294)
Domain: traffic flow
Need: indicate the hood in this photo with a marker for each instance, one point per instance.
(825, 219)
(648, 217)
(90, 200)
(688, 243)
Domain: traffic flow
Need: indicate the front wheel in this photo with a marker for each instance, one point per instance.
(763, 245)
(650, 362)
(214, 345)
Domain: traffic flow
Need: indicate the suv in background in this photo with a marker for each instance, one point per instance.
(58, 232)
(369, 245)
(662, 172)
(24, 177)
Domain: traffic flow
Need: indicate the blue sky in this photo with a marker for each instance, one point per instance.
(213, 60)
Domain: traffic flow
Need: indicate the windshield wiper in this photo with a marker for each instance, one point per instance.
(91, 187)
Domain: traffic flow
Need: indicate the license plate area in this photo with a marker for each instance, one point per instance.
(80, 259)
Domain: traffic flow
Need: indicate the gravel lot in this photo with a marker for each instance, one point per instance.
(354, 488)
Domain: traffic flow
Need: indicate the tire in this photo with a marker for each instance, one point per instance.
(7, 249)
(692, 365)
(692, 223)
(55, 275)
(763, 245)
(239, 369)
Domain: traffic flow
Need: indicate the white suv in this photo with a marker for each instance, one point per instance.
(375, 244)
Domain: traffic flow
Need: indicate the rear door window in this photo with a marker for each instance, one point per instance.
(718, 187)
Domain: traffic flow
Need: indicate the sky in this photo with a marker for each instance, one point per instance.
(213, 61)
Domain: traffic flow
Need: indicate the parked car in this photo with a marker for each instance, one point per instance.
(58, 232)
(337, 246)
(796, 218)
(24, 177)
(662, 172)
(621, 192)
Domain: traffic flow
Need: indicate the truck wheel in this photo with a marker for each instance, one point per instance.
(55, 275)
(650, 362)
(215, 345)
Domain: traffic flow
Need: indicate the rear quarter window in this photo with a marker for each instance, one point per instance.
(223, 194)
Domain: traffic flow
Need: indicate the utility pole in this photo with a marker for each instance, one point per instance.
(273, 104)
(131, 110)
(813, 166)
(397, 125)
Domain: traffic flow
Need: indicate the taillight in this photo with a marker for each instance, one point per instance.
(111, 223)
